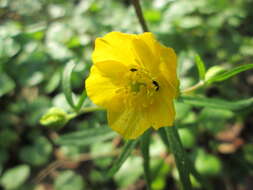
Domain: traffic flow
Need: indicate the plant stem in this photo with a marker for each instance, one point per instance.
(145, 142)
(194, 87)
(138, 11)
(90, 109)
(180, 156)
(84, 110)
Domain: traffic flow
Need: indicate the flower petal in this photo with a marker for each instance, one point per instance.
(102, 90)
(161, 113)
(112, 69)
(129, 122)
(143, 51)
(168, 64)
(150, 41)
(114, 46)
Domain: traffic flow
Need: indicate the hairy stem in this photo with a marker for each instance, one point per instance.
(194, 87)
(138, 11)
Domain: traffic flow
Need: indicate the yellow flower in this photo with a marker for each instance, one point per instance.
(134, 78)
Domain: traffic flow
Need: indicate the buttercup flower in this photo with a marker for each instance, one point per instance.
(134, 79)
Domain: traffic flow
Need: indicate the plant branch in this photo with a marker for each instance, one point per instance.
(194, 87)
(90, 109)
(84, 110)
(138, 11)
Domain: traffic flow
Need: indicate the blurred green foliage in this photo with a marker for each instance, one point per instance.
(38, 39)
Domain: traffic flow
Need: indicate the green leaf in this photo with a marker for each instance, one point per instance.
(187, 137)
(53, 82)
(145, 142)
(102, 148)
(201, 67)
(217, 103)
(228, 74)
(129, 173)
(127, 149)
(15, 177)
(9, 47)
(6, 84)
(207, 164)
(69, 180)
(202, 180)
(214, 119)
(66, 83)
(81, 100)
(214, 71)
(182, 163)
(86, 137)
(163, 136)
(38, 153)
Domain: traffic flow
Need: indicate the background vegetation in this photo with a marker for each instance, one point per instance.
(38, 39)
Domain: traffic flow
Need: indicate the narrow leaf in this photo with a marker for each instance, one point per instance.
(218, 103)
(145, 142)
(127, 149)
(86, 137)
(201, 67)
(201, 179)
(182, 163)
(164, 137)
(66, 83)
(81, 100)
(228, 74)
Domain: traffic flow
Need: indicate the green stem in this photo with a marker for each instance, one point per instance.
(194, 87)
(145, 142)
(138, 11)
(90, 109)
(84, 110)
(180, 157)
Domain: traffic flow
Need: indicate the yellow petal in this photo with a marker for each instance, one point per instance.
(129, 122)
(102, 90)
(161, 113)
(144, 52)
(112, 69)
(150, 41)
(158, 59)
(114, 46)
(168, 64)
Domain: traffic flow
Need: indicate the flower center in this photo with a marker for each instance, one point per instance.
(141, 79)
(140, 87)
(136, 86)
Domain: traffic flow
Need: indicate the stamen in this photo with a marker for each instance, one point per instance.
(156, 85)
(133, 70)
(141, 86)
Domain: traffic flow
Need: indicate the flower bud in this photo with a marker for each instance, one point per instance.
(55, 118)
(214, 71)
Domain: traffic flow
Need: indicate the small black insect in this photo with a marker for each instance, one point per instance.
(156, 85)
(133, 69)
